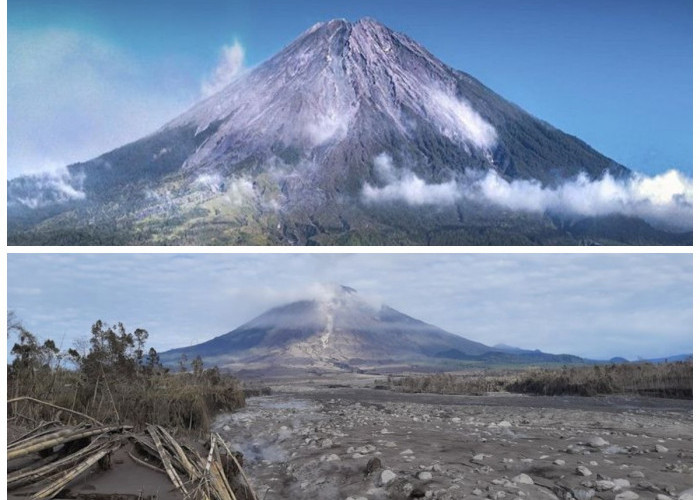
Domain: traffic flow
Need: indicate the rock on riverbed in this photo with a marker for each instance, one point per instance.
(318, 443)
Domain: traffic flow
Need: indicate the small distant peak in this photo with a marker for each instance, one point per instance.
(347, 289)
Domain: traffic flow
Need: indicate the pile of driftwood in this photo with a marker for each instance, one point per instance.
(219, 476)
(81, 447)
(53, 454)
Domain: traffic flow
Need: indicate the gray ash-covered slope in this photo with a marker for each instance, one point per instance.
(280, 156)
(343, 93)
(339, 327)
(342, 330)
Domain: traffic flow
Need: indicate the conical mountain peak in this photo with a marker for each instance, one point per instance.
(333, 86)
(340, 138)
(336, 326)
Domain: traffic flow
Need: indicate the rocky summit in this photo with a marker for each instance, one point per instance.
(352, 134)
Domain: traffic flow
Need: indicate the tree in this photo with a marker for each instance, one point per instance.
(73, 356)
(14, 325)
(31, 355)
(111, 351)
(31, 360)
(140, 336)
(153, 361)
(183, 362)
(197, 366)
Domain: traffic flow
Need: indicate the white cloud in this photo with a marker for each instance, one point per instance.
(72, 96)
(405, 186)
(321, 291)
(236, 191)
(665, 199)
(46, 188)
(459, 121)
(240, 191)
(384, 168)
(413, 191)
(230, 65)
(327, 125)
(211, 181)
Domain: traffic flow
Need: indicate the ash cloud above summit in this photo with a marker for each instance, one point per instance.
(326, 141)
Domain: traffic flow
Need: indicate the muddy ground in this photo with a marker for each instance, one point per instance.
(316, 441)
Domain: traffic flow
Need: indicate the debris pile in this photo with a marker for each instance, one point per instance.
(219, 476)
(53, 454)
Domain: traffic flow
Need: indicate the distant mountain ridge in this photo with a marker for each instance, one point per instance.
(663, 359)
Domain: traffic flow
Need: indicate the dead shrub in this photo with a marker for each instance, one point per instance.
(670, 380)
(114, 382)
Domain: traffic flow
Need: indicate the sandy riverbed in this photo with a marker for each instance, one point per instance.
(315, 442)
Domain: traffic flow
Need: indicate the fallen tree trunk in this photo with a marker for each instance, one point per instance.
(216, 476)
(60, 437)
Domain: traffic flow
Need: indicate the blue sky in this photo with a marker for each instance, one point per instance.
(593, 305)
(85, 76)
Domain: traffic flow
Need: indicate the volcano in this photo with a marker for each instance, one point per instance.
(340, 329)
(295, 151)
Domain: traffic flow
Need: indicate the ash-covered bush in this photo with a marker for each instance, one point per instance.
(114, 379)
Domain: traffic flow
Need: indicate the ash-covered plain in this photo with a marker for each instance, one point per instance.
(337, 437)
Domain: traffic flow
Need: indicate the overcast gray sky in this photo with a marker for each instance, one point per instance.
(592, 305)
